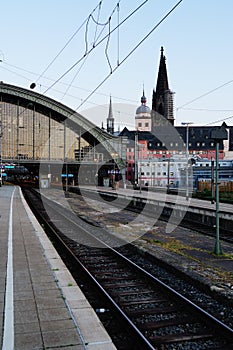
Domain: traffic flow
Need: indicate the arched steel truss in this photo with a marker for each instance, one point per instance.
(57, 111)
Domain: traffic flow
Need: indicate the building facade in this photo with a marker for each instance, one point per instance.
(156, 139)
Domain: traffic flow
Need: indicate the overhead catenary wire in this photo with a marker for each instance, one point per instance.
(205, 94)
(97, 44)
(208, 110)
(130, 53)
(108, 22)
(98, 16)
(118, 33)
(67, 43)
(62, 83)
(75, 97)
(75, 76)
(220, 120)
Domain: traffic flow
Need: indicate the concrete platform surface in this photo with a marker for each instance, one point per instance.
(41, 306)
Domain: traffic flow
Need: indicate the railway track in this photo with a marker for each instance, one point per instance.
(201, 227)
(153, 315)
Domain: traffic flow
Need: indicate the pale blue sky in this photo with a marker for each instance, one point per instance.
(197, 44)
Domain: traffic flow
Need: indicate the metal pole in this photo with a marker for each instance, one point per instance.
(168, 175)
(217, 249)
(140, 180)
(49, 150)
(0, 152)
(64, 156)
(187, 159)
(212, 182)
(136, 158)
(33, 133)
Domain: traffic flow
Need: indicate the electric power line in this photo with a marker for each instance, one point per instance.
(205, 94)
(220, 120)
(67, 43)
(208, 110)
(62, 83)
(97, 44)
(129, 54)
(95, 39)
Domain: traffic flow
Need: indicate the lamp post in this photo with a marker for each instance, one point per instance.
(187, 155)
(218, 134)
(136, 158)
(0, 153)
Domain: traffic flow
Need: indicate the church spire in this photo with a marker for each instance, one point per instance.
(162, 101)
(143, 98)
(110, 119)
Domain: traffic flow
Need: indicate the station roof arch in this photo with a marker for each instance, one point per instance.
(57, 111)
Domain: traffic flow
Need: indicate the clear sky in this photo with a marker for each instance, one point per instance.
(196, 38)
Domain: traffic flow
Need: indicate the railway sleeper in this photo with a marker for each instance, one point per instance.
(178, 338)
(166, 323)
(128, 292)
(142, 302)
(151, 311)
(124, 284)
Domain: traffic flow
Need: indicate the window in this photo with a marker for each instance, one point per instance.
(140, 125)
(146, 125)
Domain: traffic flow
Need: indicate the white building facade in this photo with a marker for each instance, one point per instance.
(161, 172)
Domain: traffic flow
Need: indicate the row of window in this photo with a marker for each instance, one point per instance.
(129, 173)
(146, 125)
(157, 165)
(172, 144)
(131, 150)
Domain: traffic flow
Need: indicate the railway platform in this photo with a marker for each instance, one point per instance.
(174, 206)
(41, 306)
